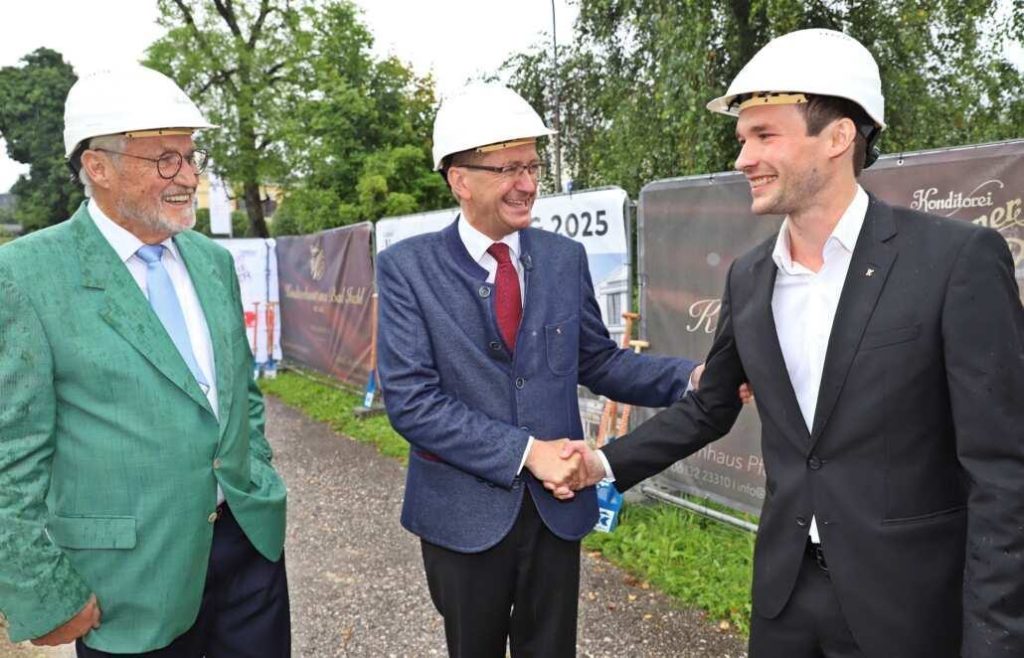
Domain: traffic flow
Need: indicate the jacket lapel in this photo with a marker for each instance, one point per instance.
(125, 307)
(215, 300)
(767, 353)
(869, 267)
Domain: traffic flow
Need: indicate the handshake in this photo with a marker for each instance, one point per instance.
(564, 466)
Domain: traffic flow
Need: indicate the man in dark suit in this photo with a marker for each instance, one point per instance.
(486, 329)
(886, 348)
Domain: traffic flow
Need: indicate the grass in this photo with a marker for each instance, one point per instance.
(691, 558)
(695, 560)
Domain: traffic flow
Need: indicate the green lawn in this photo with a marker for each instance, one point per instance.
(692, 558)
(695, 560)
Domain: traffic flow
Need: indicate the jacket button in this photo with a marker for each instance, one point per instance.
(216, 463)
(494, 345)
(484, 292)
(520, 382)
(212, 518)
(814, 463)
(801, 521)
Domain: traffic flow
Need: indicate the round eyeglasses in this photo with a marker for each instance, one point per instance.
(169, 164)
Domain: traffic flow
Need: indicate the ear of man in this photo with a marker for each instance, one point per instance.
(842, 138)
(99, 168)
(458, 183)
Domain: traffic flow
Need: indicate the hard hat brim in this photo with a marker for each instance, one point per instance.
(495, 146)
(148, 131)
(726, 105)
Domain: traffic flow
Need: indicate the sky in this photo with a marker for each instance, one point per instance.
(456, 40)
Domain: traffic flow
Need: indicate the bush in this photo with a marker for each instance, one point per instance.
(307, 210)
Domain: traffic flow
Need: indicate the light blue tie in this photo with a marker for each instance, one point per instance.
(164, 301)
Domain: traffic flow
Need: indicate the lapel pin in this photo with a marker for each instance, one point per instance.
(869, 272)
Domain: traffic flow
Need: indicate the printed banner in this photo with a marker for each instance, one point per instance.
(326, 280)
(597, 219)
(691, 229)
(256, 267)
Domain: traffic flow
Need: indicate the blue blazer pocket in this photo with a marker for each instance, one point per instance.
(563, 345)
(76, 532)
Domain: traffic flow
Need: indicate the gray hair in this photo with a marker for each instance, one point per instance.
(107, 142)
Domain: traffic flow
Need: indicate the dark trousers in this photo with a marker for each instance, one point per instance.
(244, 613)
(524, 590)
(811, 625)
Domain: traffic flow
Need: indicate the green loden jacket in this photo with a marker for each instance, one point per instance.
(110, 454)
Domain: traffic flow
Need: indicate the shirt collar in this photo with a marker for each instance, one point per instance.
(844, 235)
(124, 242)
(477, 243)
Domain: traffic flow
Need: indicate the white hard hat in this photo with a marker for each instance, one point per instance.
(482, 115)
(123, 100)
(816, 61)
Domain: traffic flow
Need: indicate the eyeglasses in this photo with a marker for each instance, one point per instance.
(535, 169)
(169, 164)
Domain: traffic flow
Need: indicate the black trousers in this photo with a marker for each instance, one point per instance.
(245, 611)
(811, 625)
(524, 590)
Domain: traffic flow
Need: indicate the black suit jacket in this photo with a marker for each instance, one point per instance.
(914, 467)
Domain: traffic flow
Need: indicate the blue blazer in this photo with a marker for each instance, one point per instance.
(467, 406)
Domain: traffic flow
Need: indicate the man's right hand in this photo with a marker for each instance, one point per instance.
(548, 465)
(590, 472)
(87, 619)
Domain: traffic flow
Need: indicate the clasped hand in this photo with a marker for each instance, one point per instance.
(564, 466)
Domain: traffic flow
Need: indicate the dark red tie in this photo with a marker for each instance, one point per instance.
(508, 302)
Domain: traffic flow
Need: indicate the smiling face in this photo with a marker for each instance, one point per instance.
(132, 192)
(787, 169)
(497, 204)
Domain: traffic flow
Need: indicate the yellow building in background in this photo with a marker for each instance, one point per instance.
(271, 194)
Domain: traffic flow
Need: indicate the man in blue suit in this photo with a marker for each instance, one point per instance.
(486, 328)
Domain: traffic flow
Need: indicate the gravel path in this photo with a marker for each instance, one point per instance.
(356, 577)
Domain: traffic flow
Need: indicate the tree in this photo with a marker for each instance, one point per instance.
(233, 58)
(300, 101)
(32, 123)
(639, 73)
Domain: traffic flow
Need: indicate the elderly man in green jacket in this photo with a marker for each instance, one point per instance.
(139, 511)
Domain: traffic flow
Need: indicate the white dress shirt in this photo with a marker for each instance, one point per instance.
(125, 244)
(477, 244)
(804, 306)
